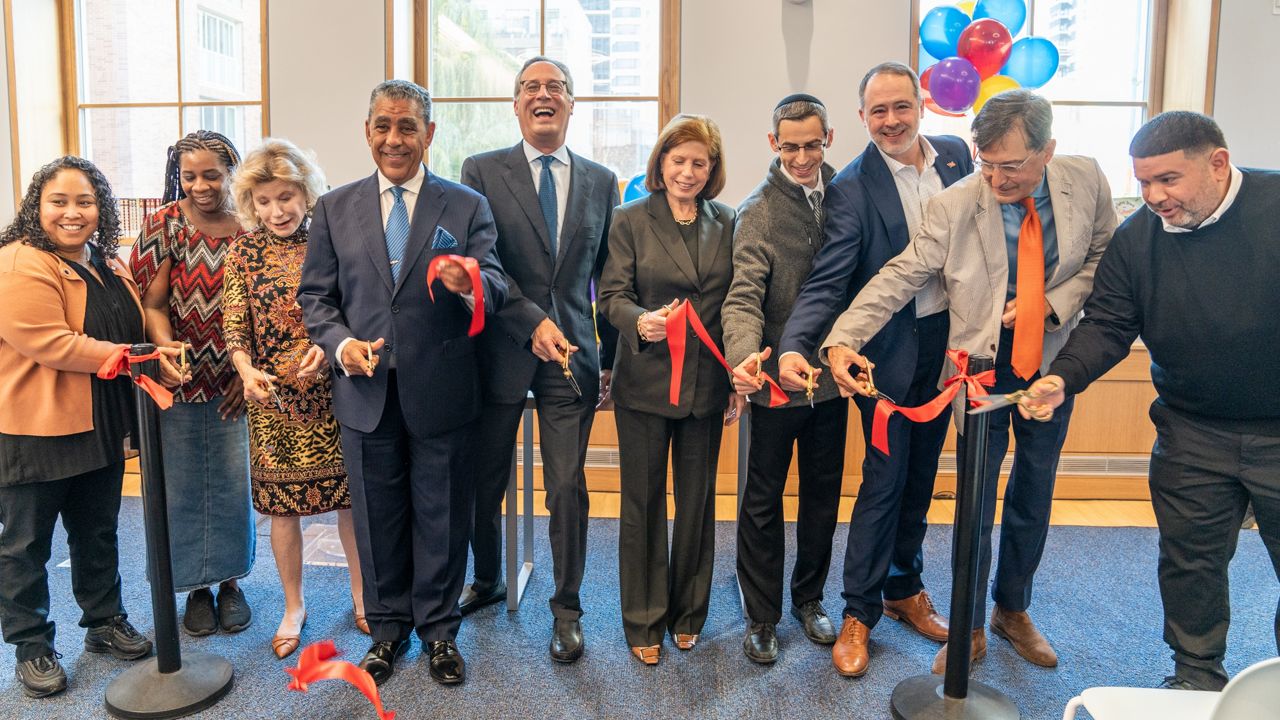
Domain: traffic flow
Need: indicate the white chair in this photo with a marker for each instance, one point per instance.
(1252, 695)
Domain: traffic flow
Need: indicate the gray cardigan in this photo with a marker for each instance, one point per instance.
(774, 243)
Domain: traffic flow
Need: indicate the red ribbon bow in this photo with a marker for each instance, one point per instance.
(118, 363)
(684, 314)
(933, 408)
(472, 266)
(314, 664)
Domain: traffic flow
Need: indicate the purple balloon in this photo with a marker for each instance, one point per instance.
(954, 84)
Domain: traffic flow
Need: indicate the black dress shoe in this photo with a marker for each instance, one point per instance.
(817, 626)
(566, 640)
(472, 600)
(447, 666)
(42, 676)
(119, 638)
(761, 643)
(380, 660)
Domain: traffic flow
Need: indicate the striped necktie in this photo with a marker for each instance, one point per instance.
(547, 201)
(815, 199)
(397, 232)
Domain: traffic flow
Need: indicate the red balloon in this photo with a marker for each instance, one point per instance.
(924, 78)
(986, 44)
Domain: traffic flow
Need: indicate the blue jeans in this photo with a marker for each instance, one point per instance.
(206, 472)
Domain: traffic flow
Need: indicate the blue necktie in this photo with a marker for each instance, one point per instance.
(547, 201)
(397, 232)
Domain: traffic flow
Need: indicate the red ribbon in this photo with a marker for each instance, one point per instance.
(118, 364)
(472, 266)
(933, 408)
(314, 664)
(683, 314)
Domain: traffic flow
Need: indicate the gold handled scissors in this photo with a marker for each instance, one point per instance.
(808, 387)
(271, 388)
(568, 374)
(995, 402)
(871, 386)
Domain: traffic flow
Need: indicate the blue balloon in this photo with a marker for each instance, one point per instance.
(940, 30)
(1032, 62)
(635, 189)
(1012, 13)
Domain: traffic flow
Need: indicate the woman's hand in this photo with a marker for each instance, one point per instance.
(256, 384)
(312, 363)
(171, 365)
(737, 406)
(653, 323)
(232, 405)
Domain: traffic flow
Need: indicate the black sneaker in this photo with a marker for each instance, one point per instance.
(234, 614)
(42, 676)
(200, 618)
(1173, 682)
(119, 638)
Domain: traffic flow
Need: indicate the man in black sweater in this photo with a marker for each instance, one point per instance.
(1195, 274)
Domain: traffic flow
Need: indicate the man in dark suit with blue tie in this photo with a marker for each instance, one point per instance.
(872, 208)
(406, 388)
(553, 209)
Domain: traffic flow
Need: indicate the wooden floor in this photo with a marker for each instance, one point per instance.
(1093, 513)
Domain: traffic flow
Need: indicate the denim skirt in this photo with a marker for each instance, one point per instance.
(206, 480)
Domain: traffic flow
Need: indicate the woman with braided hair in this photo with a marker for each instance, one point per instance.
(178, 265)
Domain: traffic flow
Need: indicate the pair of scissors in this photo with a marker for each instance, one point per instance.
(182, 366)
(271, 388)
(808, 387)
(568, 374)
(872, 390)
(995, 402)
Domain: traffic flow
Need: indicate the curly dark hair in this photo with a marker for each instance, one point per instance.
(26, 225)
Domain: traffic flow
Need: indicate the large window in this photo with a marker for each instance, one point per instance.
(1104, 88)
(474, 48)
(149, 71)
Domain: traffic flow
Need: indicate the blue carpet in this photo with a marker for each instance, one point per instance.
(1095, 599)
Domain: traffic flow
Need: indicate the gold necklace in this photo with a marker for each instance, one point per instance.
(689, 221)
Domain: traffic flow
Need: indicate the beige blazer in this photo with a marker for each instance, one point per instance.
(962, 240)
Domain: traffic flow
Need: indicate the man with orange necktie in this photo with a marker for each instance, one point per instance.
(1016, 245)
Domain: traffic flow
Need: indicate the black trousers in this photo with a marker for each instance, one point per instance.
(90, 508)
(661, 594)
(884, 556)
(411, 506)
(564, 427)
(819, 432)
(1028, 498)
(1202, 477)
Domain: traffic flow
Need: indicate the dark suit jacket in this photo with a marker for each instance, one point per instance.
(649, 266)
(865, 228)
(538, 286)
(346, 291)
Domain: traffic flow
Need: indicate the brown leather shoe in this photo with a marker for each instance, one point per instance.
(685, 641)
(647, 654)
(977, 651)
(918, 612)
(849, 654)
(1017, 628)
(361, 623)
(284, 645)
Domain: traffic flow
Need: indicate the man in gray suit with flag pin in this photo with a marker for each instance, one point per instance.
(553, 209)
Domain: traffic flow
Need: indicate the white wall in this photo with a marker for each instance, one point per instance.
(739, 57)
(325, 57)
(1245, 101)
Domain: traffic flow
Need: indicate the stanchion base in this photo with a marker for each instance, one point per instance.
(144, 692)
(921, 698)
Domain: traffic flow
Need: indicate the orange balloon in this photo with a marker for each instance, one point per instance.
(991, 87)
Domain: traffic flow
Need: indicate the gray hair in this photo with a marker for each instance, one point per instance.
(800, 110)
(402, 90)
(564, 69)
(1010, 109)
(888, 68)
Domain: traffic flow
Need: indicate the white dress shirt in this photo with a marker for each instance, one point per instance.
(914, 190)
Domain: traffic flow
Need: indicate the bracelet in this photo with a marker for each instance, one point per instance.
(640, 327)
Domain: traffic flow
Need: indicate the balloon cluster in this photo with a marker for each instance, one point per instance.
(980, 58)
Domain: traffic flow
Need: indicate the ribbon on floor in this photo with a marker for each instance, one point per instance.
(933, 408)
(472, 266)
(119, 364)
(315, 663)
(685, 315)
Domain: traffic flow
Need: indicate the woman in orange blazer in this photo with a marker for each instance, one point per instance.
(66, 305)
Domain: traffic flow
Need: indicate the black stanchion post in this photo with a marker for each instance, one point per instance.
(954, 696)
(163, 686)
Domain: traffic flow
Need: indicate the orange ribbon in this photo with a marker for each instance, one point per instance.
(314, 664)
(933, 408)
(118, 364)
(472, 266)
(684, 314)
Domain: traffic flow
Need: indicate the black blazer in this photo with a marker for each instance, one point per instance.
(540, 286)
(649, 266)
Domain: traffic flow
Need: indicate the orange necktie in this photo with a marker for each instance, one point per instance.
(1028, 326)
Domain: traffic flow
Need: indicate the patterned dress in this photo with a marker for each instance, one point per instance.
(295, 458)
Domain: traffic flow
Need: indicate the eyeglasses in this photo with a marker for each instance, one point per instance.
(816, 146)
(1008, 169)
(554, 87)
